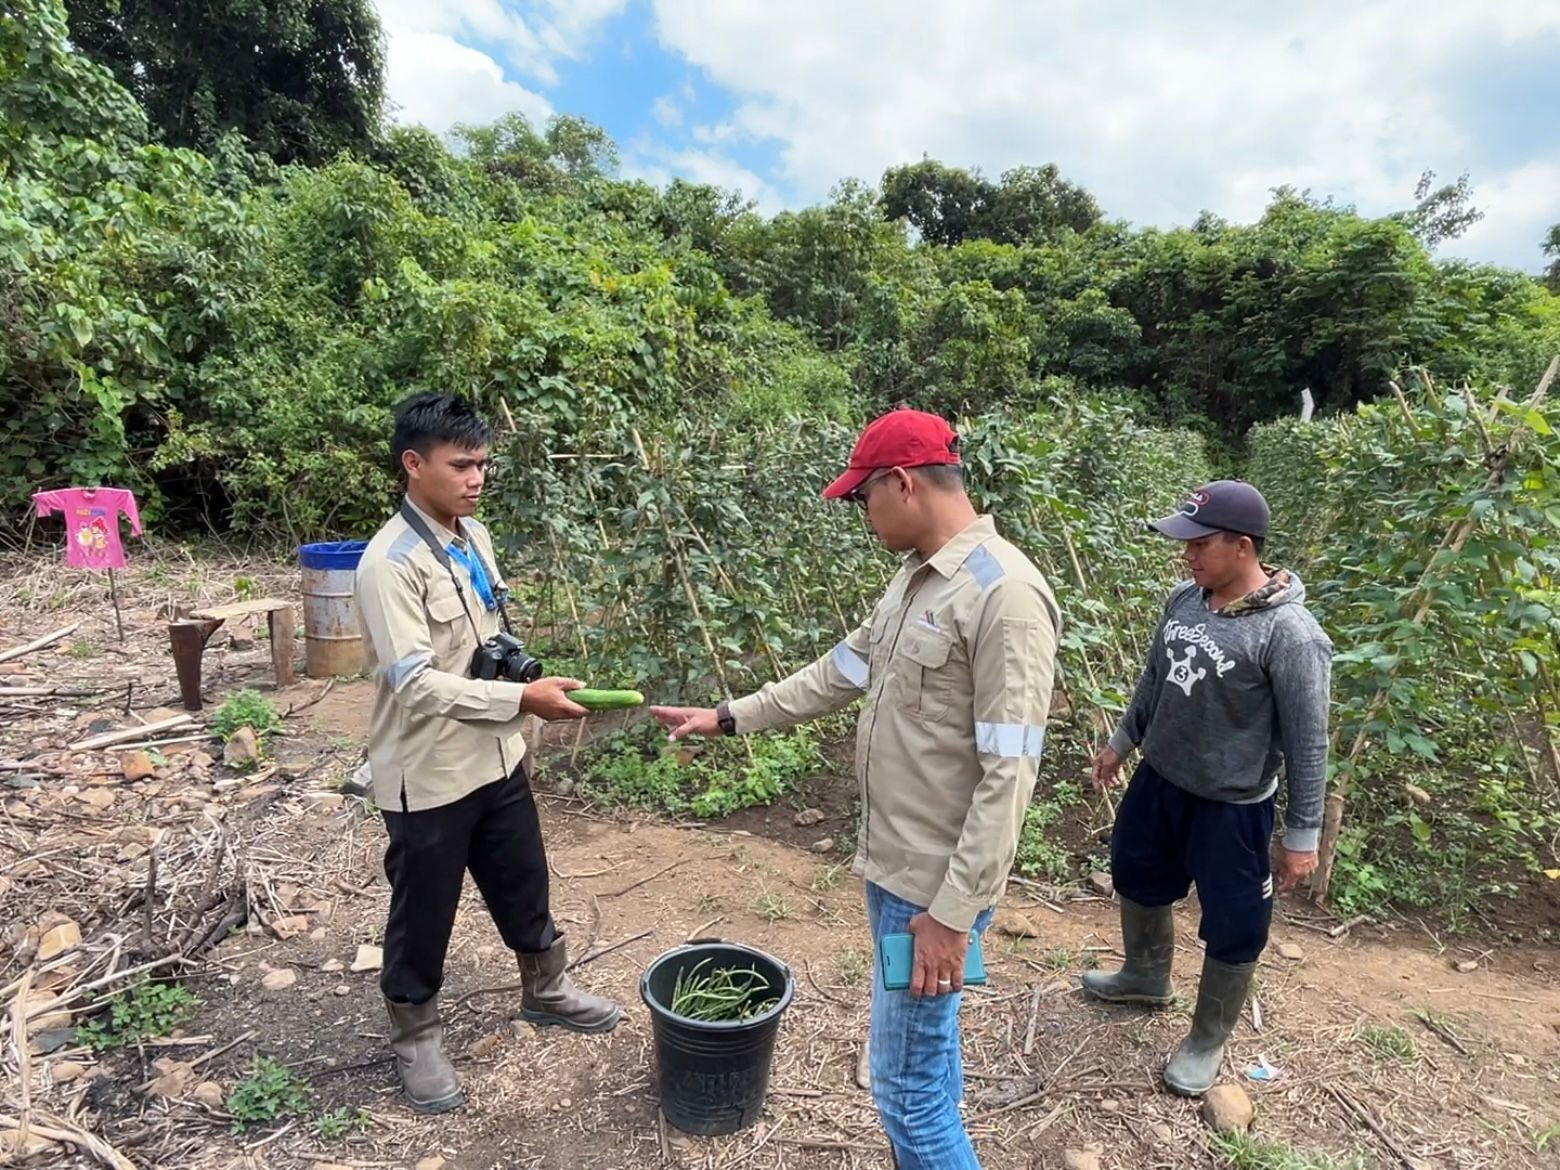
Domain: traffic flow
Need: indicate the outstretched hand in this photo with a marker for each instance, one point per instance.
(681, 722)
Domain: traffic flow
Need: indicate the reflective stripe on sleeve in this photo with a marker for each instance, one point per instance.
(400, 672)
(1010, 740)
(851, 665)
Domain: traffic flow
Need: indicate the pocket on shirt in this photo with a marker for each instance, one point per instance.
(448, 628)
(925, 672)
(877, 645)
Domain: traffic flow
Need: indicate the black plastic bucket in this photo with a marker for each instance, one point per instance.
(712, 1076)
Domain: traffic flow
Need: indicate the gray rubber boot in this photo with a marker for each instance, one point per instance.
(1148, 939)
(550, 996)
(1194, 1068)
(427, 1076)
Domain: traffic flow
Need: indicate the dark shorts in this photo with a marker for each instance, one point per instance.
(1166, 839)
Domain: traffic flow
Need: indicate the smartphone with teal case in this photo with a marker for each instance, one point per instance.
(896, 959)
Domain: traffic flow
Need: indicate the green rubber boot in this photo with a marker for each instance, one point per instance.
(1148, 938)
(1194, 1068)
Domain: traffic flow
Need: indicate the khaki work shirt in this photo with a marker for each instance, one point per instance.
(435, 734)
(956, 666)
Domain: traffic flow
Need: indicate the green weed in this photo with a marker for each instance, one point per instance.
(336, 1124)
(138, 1013)
(245, 708)
(1242, 1151)
(1389, 1043)
(271, 1090)
(772, 907)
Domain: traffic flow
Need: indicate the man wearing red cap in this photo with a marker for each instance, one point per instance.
(955, 664)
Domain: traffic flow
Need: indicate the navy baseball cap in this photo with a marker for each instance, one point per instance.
(1225, 505)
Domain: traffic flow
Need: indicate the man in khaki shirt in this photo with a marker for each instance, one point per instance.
(955, 665)
(445, 749)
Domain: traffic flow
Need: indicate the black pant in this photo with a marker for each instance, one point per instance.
(1166, 838)
(494, 832)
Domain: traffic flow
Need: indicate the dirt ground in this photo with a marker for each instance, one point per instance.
(1384, 1041)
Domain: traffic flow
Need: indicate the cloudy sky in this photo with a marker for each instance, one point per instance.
(1161, 110)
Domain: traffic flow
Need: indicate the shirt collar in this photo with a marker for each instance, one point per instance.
(947, 559)
(438, 528)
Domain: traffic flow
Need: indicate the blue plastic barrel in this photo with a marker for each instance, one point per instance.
(332, 639)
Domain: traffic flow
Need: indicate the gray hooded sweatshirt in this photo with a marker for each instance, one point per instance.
(1228, 697)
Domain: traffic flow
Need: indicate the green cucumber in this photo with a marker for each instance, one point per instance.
(594, 700)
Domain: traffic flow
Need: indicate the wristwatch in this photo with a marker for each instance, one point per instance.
(724, 717)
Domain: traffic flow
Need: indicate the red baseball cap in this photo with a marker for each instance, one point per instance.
(900, 438)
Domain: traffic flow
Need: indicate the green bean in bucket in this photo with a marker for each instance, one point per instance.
(728, 994)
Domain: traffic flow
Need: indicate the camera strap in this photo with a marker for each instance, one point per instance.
(442, 555)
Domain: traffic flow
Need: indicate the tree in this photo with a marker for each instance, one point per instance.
(1552, 250)
(945, 205)
(302, 80)
(1441, 214)
(566, 152)
(1034, 204)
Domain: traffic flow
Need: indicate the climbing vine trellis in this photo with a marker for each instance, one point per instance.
(696, 560)
(1427, 525)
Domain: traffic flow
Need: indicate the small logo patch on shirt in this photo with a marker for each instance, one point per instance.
(928, 620)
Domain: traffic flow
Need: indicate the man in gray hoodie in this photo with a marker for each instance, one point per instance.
(1236, 685)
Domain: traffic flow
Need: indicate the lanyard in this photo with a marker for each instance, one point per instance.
(482, 577)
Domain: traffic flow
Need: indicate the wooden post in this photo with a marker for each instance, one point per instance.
(188, 640)
(113, 592)
(283, 627)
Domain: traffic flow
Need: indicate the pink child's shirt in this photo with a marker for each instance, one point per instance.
(92, 524)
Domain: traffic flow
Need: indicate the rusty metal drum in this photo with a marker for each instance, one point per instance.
(333, 641)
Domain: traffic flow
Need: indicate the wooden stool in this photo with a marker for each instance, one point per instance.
(190, 635)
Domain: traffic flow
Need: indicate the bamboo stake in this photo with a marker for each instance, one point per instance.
(1456, 537)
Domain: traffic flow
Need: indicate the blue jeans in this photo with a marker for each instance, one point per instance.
(917, 1071)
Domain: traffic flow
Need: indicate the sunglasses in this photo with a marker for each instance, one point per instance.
(859, 496)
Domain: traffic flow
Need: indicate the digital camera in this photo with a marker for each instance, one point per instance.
(504, 656)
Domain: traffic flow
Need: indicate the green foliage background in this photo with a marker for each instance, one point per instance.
(675, 376)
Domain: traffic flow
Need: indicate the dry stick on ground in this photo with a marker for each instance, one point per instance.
(208, 1057)
(23, 1061)
(149, 898)
(592, 956)
(1446, 1035)
(39, 643)
(307, 703)
(1456, 536)
(1360, 1112)
(97, 984)
(642, 881)
(1034, 1015)
(57, 1129)
(588, 957)
(813, 979)
(110, 738)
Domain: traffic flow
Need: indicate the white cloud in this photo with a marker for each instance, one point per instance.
(666, 111)
(1162, 111)
(436, 81)
(659, 166)
(1519, 208)
(534, 36)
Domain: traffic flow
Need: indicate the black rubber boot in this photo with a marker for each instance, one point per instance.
(1148, 939)
(1194, 1068)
